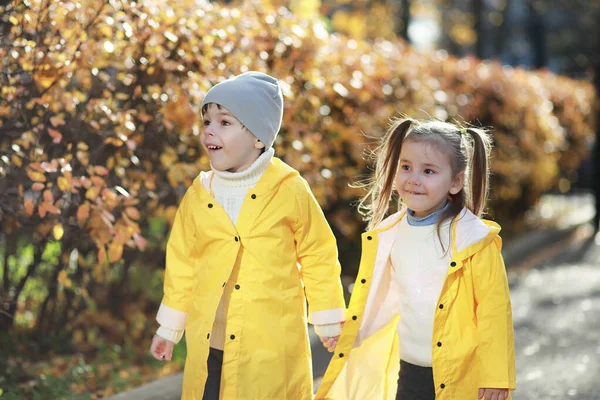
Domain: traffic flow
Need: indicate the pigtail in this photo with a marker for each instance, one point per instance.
(478, 180)
(374, 205)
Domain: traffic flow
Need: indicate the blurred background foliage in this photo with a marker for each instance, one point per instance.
(99, 112)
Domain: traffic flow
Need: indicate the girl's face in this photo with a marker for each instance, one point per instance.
(424, 178)
(230, 146)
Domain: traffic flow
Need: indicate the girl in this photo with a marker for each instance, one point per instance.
(430, 315)
(248, 247)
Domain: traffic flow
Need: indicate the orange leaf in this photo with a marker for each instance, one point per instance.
(56, 135)
(97, 181)
(48, 196)
(101, 255)
(28, 207)
(132, 212)
(83, 212)
(42, 210)
(100, 170)
(115, 252)
(51, 208)
(38, 187)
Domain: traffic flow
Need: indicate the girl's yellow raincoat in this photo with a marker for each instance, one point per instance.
(281, 253)
(473, 340)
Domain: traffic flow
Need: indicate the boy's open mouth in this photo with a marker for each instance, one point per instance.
(213, 147)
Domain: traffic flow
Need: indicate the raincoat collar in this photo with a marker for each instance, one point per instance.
(470, 234)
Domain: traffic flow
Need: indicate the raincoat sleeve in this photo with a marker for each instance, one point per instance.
(317, 254)
(496, 351)
(173, 310)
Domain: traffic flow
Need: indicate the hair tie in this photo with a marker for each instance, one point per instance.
(463, 131)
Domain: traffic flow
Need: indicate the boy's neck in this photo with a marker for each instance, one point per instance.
(254, 171)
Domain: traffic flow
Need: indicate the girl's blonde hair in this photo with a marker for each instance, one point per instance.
(467, 148)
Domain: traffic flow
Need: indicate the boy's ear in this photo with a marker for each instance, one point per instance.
(258, 144)
(458, 183)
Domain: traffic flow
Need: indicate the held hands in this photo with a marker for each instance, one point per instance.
(329, 342)
(161, 349)
(492, 394)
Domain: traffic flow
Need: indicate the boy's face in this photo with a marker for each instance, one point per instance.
(230, 146)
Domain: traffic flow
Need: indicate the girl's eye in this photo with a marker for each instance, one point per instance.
(405, 167)
(429, 171)
(225, 123)
(206, 122)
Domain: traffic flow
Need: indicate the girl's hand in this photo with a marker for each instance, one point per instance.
(493, 394)
(161, 349)
(329, 342)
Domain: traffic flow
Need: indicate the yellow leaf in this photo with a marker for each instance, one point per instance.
(38, 187)
(64, 279)
(16, 160)
(51, 208)
(83, 212)
(57, 121)
(115, 252)
(36, 176)
(92, 193)
(58, 231)
(63, 183)
(42, 210)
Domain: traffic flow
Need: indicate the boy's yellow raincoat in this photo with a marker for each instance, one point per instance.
(267, 354)
(473, 340)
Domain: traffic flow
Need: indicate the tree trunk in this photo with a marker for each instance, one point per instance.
(503, 29)
(405, 19)
(537, 37)
(596, 153)
(480, 39)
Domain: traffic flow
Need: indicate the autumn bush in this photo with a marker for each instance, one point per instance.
(99, 130)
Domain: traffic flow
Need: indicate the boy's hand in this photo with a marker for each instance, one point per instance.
(161, 349)
(330, 342)
(492, 394)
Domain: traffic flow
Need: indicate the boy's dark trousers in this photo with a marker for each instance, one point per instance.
(415, 382)
(213, 381)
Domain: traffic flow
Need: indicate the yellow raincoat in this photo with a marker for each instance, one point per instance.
(281, 253)
(473, 339)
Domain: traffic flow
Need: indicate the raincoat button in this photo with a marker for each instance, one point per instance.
(208, 336)
(341, 355)
(441, 306)
(237, 239)
(439, 344)
(354, 318)
(453, 264)
(232, 337)
(253, 196)
(210, 205)
(237, 287)
(442, 386)
(224, 283)
(363, 281)
(369, 237)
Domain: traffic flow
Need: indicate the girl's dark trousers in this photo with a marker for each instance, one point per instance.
(415, 382)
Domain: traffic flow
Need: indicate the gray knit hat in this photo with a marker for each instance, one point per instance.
(255, 99)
